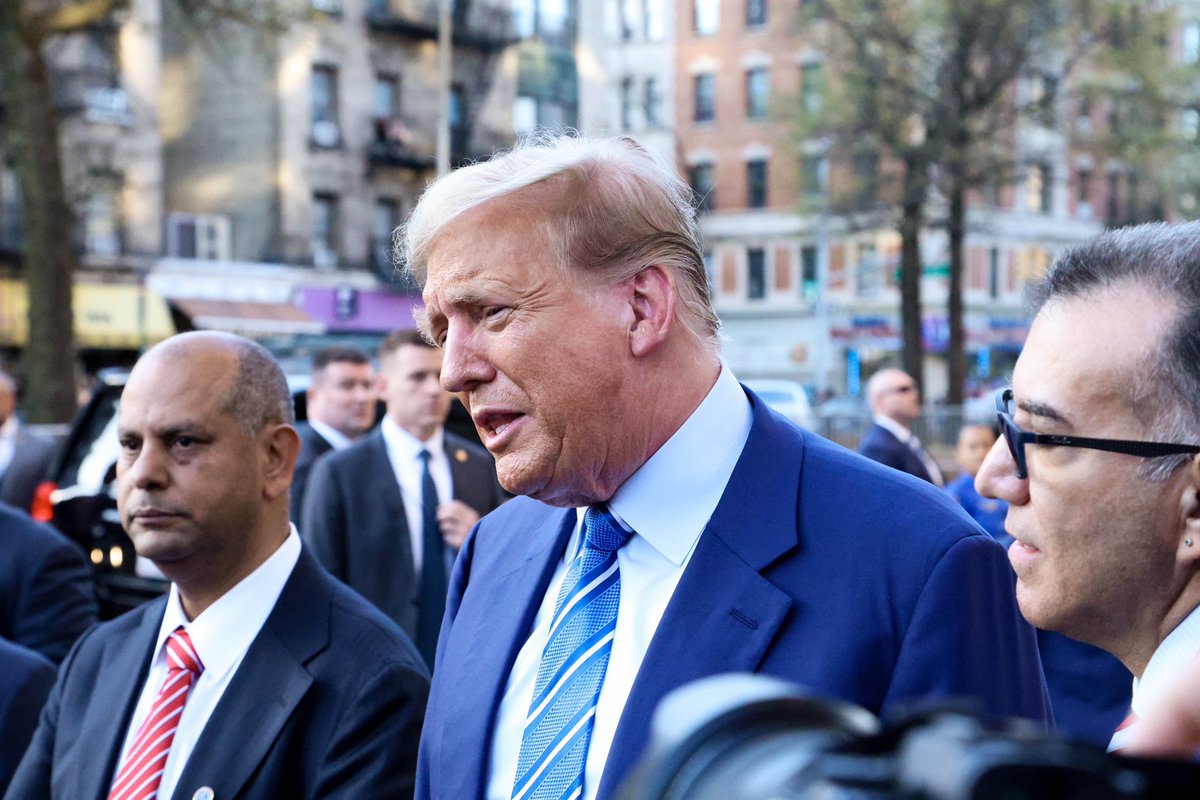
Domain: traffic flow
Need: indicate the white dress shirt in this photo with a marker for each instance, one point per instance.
(8, 442)
(907, 438)
(667, 503)
(337, 440)
(1164, 667)
(404, 453)
(221, 636)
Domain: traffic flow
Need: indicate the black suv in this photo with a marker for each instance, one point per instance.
(80, 496)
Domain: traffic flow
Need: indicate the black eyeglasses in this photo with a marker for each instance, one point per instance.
(1017, 439)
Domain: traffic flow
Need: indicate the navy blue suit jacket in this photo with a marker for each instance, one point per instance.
(47, 598)
(25, 681)
(328, 703)
(312, 446)
(818, 566)
(880, 444)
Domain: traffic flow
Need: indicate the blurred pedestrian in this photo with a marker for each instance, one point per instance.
(1101, 460)
(258, 675)
(47, 597)
(895, 403)
(340, 409)
(25, 681)
(25, 457)
(389, 514)
(974, 442)
(673, 526)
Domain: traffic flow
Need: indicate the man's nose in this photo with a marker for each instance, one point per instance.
(146, 471)
(997, 476)
(464, 361)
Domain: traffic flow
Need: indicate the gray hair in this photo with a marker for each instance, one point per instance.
(1165, 259)
(259, 395)
(623, 209)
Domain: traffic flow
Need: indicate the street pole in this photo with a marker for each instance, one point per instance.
(824, 331)
(445, 70)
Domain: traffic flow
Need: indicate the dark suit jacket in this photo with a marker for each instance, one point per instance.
(880, 444)
(47, 598)
(30, 466)
(818, 566)
(25, 681)
(327, 703)
(312, 446)
(356, 525)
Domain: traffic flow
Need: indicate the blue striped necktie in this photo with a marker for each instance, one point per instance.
(558, 729)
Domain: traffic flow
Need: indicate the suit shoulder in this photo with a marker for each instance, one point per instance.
(365, 634)
(352, 457)
(25, 535)
(520, 511)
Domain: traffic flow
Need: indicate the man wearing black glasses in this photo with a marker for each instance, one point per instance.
(895, 403)
(1100, 457)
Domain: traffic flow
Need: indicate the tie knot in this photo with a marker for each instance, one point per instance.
(425, 456)
(181, 654)
(601, 530)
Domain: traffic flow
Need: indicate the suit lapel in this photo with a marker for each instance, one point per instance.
(724, 613)
(395, 547)
(497, 611)
(265, 690)
(128, 657)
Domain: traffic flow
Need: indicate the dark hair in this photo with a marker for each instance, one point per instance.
(338, 354)
(397, 339)
(1164, 259)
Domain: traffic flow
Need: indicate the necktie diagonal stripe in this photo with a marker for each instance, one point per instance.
(141, 772)
(562, 712)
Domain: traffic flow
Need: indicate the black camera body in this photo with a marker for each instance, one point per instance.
(749, 737)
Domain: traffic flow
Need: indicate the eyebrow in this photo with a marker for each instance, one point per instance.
(1043, 410)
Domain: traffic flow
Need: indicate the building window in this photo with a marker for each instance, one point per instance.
(756, 273)
(756, 13)
(1114, 199)
(325, 130)
(553, 17)
(525, 110)
(756, 183)
(655, 29)
(630, 18)
(384, 220)
(707, 15)
(524, 17)
(705, 89)
(458, 120)
(866, 176)
(652, 103)
(810, 286)
(812, 88)
(1191, 42)
(700, 176)
(994, 272)
(811, 168)
(1039, 186)
(870, 270)
(1189, 125)
(627, 104)
(324, 231)
(101, 217)
(1083, 193)
(758, 92)
(201, 236)
(385, 100)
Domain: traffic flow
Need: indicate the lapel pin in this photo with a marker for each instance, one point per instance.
(460, 456)
(204, 793)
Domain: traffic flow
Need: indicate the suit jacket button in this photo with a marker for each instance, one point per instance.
(204, 793)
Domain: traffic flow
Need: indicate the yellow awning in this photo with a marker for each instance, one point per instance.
(107, 315)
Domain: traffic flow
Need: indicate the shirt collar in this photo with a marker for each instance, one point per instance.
(895, 428)
(336, 438)
(224, 630)
(671, 497)
(405, 447)
(9, 429)
(1180, 646)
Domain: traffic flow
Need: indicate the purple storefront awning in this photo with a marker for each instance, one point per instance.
(348, 310)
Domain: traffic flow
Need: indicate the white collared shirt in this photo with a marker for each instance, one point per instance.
(1164, 667)
(221, 636)
(337, 440)
(404, 453)
(8, 442)
(667, 502)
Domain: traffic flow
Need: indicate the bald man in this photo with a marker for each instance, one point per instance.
(259, 675)
(895, 402)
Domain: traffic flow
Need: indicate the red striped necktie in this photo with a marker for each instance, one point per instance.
(143, 768)
(1120, 737)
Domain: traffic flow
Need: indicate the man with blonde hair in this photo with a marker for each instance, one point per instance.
(672, 526)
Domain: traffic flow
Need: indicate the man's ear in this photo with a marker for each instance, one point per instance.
(280, 448)
(653, 302)
(1189, 543)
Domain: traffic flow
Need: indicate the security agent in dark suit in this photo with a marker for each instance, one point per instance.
(895, 402)
(25, 457)
(340, 404)
(297, 687)
(47, 598)
(25, 681)
(367, 513)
